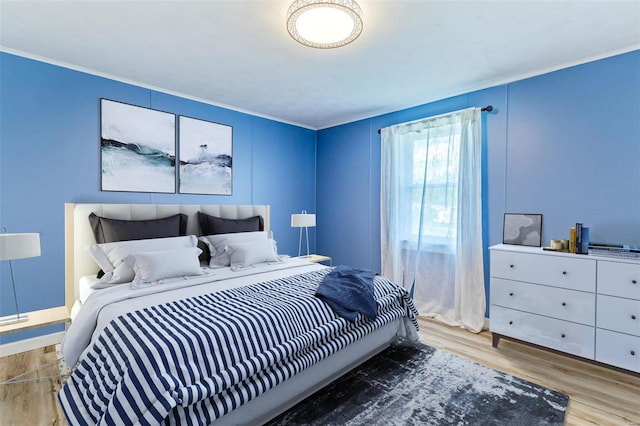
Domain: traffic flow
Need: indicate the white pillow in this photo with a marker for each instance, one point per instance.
(217, 243)
(121, 274)
(151, 267)
(110, 256)
(245, 254)
(99, 257)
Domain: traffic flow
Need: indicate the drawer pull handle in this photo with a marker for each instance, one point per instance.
(634, 281)
(512, 266)
(564, 303)
(633, 317)
(633, 353)
(511, 294)
(563, 335)
(564, 272)
(510, 322)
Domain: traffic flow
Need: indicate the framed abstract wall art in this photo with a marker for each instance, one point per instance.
(137, 148)
(522, 229)
(206, 157)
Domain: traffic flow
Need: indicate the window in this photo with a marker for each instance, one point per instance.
(432, 188)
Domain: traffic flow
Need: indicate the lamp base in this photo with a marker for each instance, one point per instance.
(12, 319)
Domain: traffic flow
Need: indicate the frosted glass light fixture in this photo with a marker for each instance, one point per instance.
(324, 24)
(12, 247)
(303, 220)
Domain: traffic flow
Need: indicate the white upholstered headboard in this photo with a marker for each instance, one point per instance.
(78, 234)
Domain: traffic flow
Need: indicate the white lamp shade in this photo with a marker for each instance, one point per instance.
(303, 220)
(19, 246)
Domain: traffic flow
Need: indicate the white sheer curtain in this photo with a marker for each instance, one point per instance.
(431, 214)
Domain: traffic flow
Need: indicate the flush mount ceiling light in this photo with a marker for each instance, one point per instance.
(324, 24)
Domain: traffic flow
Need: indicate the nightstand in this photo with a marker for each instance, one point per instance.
(37, 319)
(317, 258)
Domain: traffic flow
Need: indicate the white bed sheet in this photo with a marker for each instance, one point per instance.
(84, 287)
(84, 291)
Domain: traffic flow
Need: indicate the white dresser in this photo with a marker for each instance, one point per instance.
(583, 305)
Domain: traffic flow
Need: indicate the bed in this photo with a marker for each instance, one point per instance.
(263, 362)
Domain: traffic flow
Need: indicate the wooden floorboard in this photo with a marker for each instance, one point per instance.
(33, 403)
(598, 395)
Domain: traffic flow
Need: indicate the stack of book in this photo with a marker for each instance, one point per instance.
(579, 239)
(614, 250)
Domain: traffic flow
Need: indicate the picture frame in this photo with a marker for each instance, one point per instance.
(137, 148)
(522, 229)
(206, 157)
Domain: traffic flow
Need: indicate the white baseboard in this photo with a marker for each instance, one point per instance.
(30, 344)
(485, 326)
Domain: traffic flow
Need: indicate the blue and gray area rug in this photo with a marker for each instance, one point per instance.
(415, 384)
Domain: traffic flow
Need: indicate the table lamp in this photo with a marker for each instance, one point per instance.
(303, 220)
(12, 247)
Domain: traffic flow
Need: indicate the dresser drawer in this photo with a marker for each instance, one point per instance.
(618, 349)
(619, 279)
(561, 335)
(618, 314)
(570, 305)
(559, 271)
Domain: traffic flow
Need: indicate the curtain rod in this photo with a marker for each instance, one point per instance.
(488, 108)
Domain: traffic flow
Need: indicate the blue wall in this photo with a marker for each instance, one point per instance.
(565, 144)
(49, 155)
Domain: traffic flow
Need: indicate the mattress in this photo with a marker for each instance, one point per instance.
(85, 287)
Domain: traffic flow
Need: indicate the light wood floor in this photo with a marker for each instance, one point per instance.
(598, 395)
(34, 403)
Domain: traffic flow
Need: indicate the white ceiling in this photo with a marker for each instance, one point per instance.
(238, 54)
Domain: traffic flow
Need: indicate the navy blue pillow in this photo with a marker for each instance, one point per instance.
(212, 225)
(107, 230)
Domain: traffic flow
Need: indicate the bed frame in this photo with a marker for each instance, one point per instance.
(78, 263)
(78, 234)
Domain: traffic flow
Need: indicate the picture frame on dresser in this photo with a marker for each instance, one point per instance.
(522, 229)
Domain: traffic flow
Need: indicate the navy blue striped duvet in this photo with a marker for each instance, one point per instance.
(194, 360)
